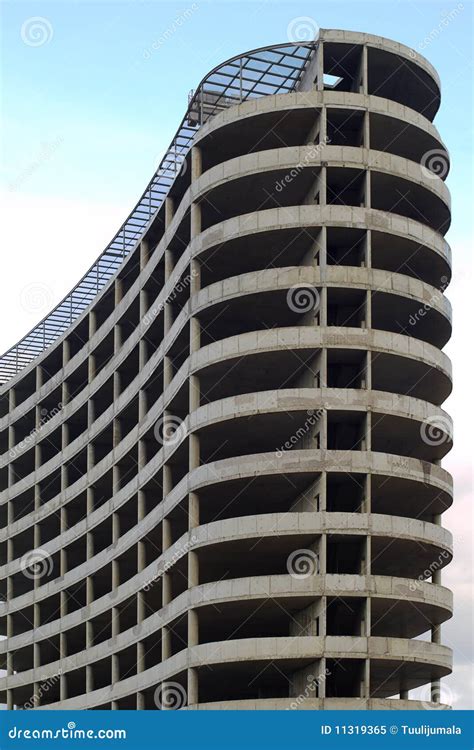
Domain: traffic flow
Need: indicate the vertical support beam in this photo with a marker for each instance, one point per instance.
(169, 211)
(364, 87)
(144, 253)
(319, 83)
(195, 219)
(196, 163)
(193, 687)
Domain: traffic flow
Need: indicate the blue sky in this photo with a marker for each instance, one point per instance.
(87, 115)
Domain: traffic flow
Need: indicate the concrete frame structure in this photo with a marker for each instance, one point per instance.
(221, 484)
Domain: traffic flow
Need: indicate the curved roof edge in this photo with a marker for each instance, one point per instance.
(261, 72)
(264, 71)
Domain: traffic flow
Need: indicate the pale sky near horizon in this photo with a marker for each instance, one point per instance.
(87, 115)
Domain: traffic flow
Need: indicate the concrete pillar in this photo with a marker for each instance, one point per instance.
(165, 644)
(196, 163)
(193, 569)
(319, 83)
(140, 702)
(195, 220)
(118, 290)
(193, 510)
(193, 628)
(193, 687)
(169, 211)
(144, 253)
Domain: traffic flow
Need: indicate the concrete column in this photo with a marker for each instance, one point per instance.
(63, 677)
(368, 189)
(368, 310)
(368, 555)
(193, 569)
(141, 454)
(141, 558)
(193, 628)
(322, 553)
(366, 130)
(11, 399)
(364, 89)
(195, 220)
(118, 290)
(365, 691)
(367, 378)
(193, 687)
(92, 323)
(165, 644)
(193, 510)
(39, 375)
(144, 253)
(166, 532)
(89, 634)
(65, 392)
(115, 669)
(367, 629)
(169, 211)
(141, 505)
(91, 367)
(194, 460)
(196, 163)
(115, 619)
(142, 353)
(140, 702)
(117, 385)
(90, 413)
(319, 83)
(117, 338)
(367, 436)
(142, 405)
(89, 679)
(322, 312)
(66, 352)
(140, 657)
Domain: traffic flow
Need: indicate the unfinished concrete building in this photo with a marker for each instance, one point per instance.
(220, 481)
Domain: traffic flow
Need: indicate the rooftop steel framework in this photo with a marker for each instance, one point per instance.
(261, 72)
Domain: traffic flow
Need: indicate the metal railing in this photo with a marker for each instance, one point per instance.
(262, 72)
